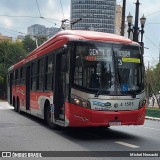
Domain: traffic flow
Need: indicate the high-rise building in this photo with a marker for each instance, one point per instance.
(98, 15)
(36, 30)
(40, 30)
(118, 19)
(52, 31)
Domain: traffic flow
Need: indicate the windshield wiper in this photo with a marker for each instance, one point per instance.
(105, 86)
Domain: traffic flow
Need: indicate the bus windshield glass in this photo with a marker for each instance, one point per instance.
(106, 68)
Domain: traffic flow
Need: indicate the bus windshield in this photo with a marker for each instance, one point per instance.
(106, 68)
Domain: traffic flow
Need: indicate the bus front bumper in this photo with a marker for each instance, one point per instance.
(82, 117)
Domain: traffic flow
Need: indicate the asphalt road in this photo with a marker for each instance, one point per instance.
(26, 133)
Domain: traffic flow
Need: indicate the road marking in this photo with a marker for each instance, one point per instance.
(127, 144)
(150, 128)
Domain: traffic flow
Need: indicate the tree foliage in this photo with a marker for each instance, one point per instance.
(28, 44)
(153, 79)
(10, 53)
(41, 40)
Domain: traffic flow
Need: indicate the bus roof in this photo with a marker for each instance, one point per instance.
(63, 37)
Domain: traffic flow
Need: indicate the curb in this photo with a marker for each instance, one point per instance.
(152, 118)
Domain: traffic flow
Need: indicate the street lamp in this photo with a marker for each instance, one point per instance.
(143, 21)
(135, 29)
(129, 20)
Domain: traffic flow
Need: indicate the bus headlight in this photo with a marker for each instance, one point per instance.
(142, 104)
(81, 102)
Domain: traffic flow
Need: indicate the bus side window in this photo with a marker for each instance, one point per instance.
(49, 74)
(13, 77)
(34, 76)
(20, 81)
(40, 75)
(23, 75)
(17, 76)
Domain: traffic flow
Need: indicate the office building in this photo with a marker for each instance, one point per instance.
(40, 31)
(118, 19)
(36, 30)
(97, 15)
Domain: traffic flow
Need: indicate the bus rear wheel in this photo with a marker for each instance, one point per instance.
(48, 118)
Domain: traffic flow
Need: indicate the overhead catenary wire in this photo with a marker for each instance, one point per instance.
(28, 17)
(12, 30)
(152, 13)
(152, 44)
(11, 26)
(151, 41)
(38, 8)
(62, 8)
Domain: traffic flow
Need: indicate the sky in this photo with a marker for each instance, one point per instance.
(17, 15)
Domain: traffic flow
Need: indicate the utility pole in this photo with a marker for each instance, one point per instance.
(123, 18)
(136, 28)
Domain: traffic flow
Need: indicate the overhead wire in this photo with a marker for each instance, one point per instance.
(62, 8)
(41, 14)
(152, 13)
(41, 17)
(28, 17)
(4, 30)
(152, 44)
(10, 26)
(12, 30)
(38, 8)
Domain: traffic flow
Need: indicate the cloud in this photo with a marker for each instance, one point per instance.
(7, 22)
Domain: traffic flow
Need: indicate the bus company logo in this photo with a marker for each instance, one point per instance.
(6, 154)
(107, 105)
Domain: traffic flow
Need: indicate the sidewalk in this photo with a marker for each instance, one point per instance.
(152, 118)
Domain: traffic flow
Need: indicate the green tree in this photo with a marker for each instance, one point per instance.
(41, 40)
(10, 53)
(153, 80)
(29, 44)
(156, 78)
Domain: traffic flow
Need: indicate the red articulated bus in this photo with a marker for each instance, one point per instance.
(81, 79)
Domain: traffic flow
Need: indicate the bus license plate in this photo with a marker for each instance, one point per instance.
(115, 123)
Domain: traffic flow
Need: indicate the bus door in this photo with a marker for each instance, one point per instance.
(28, 86)
(60, 86)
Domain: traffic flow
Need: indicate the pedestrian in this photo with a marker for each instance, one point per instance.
(153, 100)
